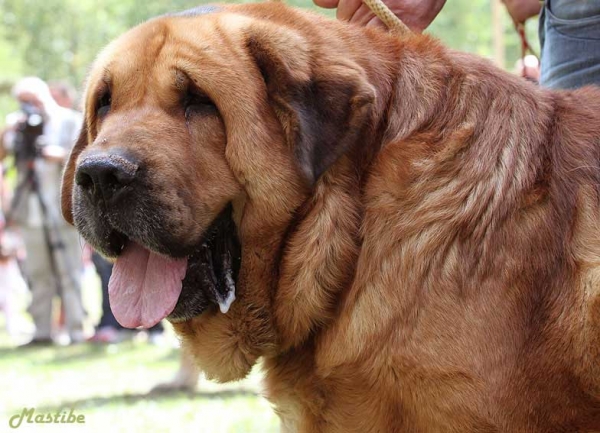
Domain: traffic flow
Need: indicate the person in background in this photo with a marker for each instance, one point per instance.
(40, 136)
(12, 285)
(570, 43)
(63, 93)
(569, 32)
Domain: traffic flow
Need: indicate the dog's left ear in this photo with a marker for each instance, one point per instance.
(323, 104)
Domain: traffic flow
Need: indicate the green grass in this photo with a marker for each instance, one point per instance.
(110, 384)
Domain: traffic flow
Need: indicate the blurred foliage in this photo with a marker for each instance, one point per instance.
(58, 39)
(467, 26)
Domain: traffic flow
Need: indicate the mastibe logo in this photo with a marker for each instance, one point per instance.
(30, 416)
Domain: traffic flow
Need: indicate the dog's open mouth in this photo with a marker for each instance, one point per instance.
(146, 287)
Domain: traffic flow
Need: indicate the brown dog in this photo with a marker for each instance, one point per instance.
(411, 235)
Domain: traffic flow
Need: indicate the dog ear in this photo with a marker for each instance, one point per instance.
(66, 192)
(324, 109)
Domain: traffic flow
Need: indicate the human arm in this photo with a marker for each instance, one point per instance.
(521, 10)
(54, 153)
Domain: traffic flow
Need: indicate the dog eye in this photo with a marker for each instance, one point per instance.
(198, 103)
(103, 105)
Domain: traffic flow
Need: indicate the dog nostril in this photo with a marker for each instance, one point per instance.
(114, 182)
(103, 176)
(84, 180)
(111, 181)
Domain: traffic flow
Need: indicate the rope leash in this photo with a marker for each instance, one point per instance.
(525, 46)
(381, 11)
(387, 17)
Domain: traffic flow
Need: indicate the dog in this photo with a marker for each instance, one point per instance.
(407, 236)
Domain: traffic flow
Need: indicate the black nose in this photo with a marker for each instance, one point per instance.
(106, 175)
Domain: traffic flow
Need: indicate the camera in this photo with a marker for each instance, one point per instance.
(29, 134)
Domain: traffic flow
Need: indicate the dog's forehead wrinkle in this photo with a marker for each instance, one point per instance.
(149, 41)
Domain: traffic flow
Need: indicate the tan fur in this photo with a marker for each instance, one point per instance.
(442, 275)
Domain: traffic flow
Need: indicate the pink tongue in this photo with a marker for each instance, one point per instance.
(144, 287)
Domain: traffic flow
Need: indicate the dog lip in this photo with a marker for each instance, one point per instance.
(213, 263)
(212, 271)
(116, 242)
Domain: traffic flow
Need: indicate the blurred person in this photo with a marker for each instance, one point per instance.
(63, 93)
(569, 32)
(570, 43)
(40, 136)
(12, 285)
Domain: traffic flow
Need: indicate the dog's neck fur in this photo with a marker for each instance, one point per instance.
(440, 242)
(333, 214)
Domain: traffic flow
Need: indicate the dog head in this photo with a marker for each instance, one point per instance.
(204, 132)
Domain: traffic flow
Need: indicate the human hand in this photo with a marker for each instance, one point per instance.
(521, 10)
(53, 153)
(416, 14)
